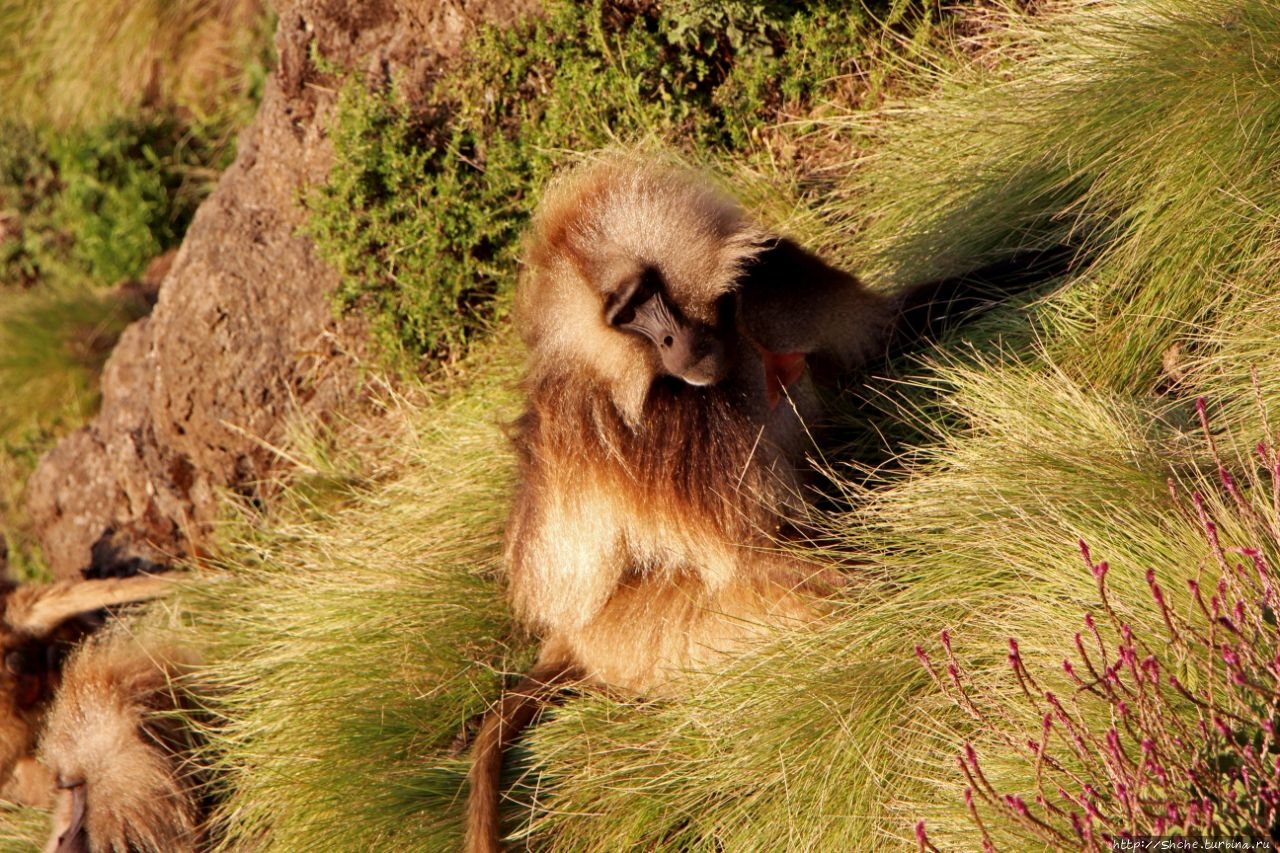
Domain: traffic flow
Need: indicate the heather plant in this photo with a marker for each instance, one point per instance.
(1169, 730)
(96, 204)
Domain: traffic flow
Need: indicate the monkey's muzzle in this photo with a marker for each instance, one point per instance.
(691, 352)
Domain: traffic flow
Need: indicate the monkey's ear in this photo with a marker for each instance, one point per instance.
(40, 609)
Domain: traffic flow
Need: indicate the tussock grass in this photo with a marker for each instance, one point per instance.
(74, 61)
(352, 640)
(354, 636)
(1142, 132)
(22, 830)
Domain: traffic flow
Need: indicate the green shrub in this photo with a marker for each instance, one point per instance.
(423, 209)
(99, 203)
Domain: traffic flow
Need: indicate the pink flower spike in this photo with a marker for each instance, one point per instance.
(922, 837)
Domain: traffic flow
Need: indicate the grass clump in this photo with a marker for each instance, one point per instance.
(424, 206)
(22, 829)
(74, 63)
(1139, 133)
(353, 638)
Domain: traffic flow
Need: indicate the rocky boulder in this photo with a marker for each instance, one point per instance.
(243, 337)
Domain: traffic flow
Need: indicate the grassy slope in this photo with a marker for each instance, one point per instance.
(355, 633)
(345, 687)
(117, 119)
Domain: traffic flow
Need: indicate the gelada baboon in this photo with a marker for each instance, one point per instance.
(120, 751)
(39, 624)
(82, 723)
(672, 346)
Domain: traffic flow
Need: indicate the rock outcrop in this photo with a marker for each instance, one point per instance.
(195, 396)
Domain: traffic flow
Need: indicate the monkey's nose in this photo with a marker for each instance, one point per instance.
(697, 359)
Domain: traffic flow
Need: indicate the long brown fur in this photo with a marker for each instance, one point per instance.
(39, 625)
(643, 542)
(118, 751)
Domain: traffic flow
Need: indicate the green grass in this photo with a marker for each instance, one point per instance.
(73, 63)
(53, 342)
(1110, 131)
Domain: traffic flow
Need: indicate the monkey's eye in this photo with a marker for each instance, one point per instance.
(21, 662)
(618, 309)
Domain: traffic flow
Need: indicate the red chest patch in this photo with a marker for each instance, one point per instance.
(780, 370)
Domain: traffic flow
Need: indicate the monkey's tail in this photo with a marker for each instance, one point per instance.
(518, 708)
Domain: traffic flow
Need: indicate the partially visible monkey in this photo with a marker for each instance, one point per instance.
(82, 720)
(121, 752)
(671, 346)
(39, 625)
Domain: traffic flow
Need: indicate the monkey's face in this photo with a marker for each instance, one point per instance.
(631, 277)
(694, 351)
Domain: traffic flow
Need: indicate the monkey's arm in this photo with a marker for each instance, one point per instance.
(791, 301)
(562, 549)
